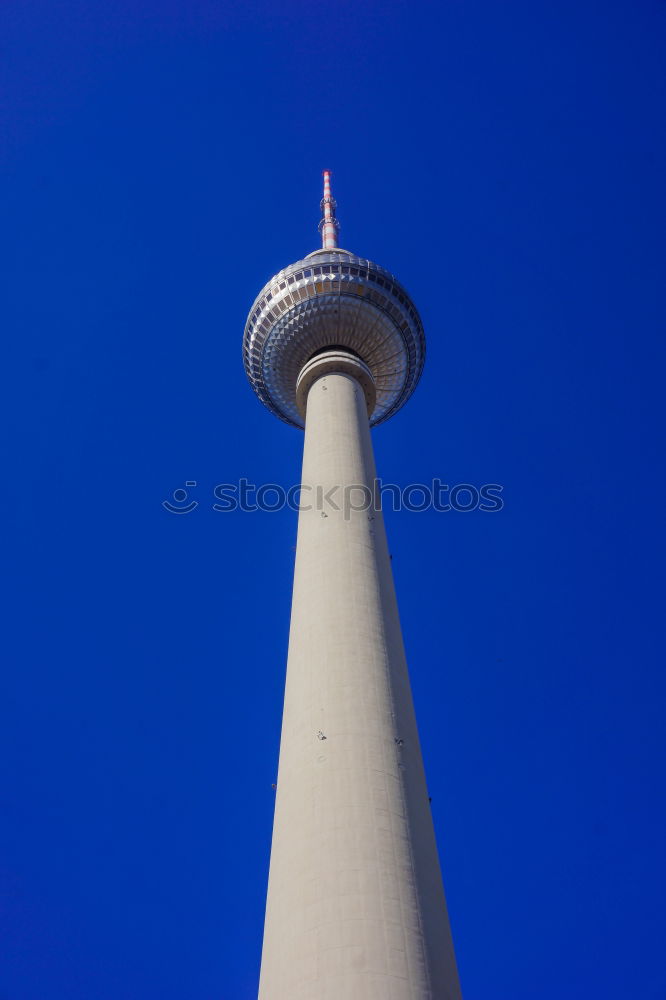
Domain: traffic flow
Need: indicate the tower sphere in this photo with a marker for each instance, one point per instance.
(332, 298)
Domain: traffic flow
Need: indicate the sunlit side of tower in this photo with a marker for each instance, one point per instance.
(355, 907)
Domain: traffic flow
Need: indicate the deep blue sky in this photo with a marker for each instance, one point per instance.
(159, 162)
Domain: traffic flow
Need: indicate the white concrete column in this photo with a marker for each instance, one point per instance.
(355, 907)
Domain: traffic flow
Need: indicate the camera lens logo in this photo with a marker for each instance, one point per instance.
(179, 497)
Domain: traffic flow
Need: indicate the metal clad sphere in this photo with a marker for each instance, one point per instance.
(333, 298)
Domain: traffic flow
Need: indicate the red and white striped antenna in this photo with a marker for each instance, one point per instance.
(329, 225)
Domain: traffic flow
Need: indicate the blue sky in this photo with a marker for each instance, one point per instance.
(159, 162)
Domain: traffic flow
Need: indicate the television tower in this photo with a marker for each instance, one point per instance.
(355, 907)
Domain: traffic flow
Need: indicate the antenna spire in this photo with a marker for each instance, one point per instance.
(329, 225)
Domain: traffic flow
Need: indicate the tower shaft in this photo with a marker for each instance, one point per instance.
(355, 907)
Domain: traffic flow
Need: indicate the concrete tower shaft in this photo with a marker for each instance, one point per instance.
(355, 905)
